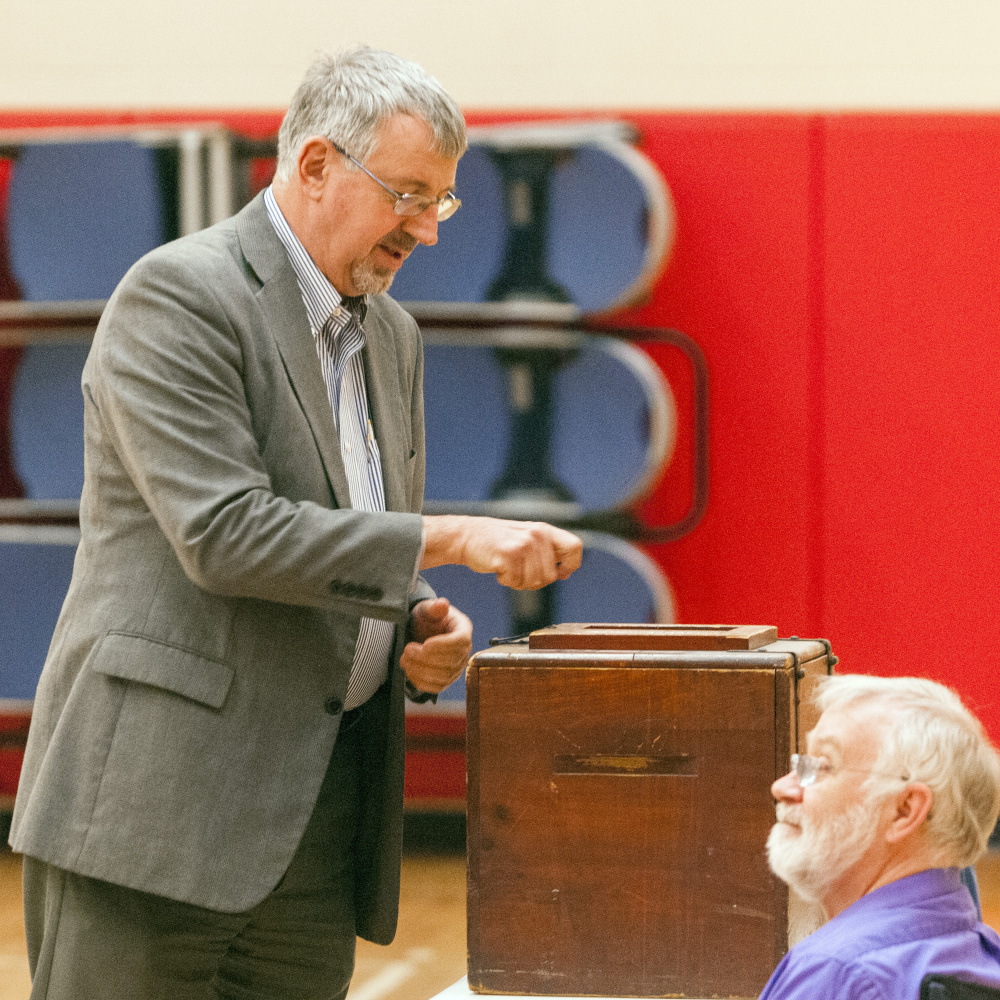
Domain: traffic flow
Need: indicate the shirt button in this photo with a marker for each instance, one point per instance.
(334, 706)
(347, 447)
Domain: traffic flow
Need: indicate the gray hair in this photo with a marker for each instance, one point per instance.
(347, 97)
(934, 739)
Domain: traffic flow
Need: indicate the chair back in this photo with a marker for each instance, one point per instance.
(936, 987)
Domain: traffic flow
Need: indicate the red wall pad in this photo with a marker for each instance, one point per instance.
(739, 285)
(911, 466)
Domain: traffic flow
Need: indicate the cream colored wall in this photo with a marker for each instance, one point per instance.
(511, 53)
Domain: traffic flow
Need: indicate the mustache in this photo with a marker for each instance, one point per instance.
(788, 814)
(400, 242)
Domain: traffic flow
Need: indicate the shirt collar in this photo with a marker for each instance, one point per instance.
(941, 887)
(319, 296)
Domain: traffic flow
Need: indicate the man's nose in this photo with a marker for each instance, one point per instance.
(423, 227)
(787, 789)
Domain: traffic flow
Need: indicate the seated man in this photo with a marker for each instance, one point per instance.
(899, 790)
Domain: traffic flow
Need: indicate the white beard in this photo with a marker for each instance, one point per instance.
(812, 860)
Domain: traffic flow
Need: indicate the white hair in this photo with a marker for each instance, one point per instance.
(934, 739)
(347, 97)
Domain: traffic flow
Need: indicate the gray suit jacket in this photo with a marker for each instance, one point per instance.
(180, 734)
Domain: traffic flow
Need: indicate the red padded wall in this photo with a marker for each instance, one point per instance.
(911, 470)
(739, 284)
(839, 272)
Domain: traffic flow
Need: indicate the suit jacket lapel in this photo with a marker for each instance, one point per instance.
(281, 303)
(385, 402)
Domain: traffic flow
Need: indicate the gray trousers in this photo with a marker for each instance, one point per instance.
(92, 940)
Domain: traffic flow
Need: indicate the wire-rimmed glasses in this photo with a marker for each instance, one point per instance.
(409, 204)
(808, 769)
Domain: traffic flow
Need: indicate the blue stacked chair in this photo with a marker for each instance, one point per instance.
(605, 396)
(81, 213)
(35, 570)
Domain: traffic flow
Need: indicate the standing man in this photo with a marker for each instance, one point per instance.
(211, 799)
(899, 790)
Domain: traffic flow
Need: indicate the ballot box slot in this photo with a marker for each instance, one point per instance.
(664, 629)
(626, 765)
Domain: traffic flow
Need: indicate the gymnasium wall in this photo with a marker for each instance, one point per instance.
(839, 273)
(834, 169)
(650, 54)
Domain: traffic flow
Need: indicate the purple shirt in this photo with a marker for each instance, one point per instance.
(880, 947)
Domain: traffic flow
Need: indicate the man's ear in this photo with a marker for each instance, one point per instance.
(314, 164)
(912, 807)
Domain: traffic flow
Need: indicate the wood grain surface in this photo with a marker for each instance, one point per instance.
(618, 806)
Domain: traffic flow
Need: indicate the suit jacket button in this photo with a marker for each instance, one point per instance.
(334, 706)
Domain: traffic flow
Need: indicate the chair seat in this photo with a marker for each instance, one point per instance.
(46, 420)
(35, 569)
(613, 423)
(609, 228)
(79, 215)
(936, 987)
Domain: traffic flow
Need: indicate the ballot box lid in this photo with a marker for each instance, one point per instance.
(616, 635)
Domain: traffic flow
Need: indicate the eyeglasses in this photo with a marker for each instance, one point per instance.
(409, 204)
(808, 769)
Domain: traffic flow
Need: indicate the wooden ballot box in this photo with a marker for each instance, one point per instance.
(619, 803)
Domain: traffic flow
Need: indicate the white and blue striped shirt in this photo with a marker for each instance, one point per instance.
(339, 335)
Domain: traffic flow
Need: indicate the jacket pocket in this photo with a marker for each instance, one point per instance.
(146, 661)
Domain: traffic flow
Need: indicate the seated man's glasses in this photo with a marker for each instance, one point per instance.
(410, 204)
(809, 769)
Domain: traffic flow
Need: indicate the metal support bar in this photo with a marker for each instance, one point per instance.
(221, 203)
(191, 184)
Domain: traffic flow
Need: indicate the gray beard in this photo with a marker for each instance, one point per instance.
(812, 861)
(370, 280)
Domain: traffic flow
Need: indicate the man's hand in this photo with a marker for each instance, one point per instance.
(440, 646)
(524, 555)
